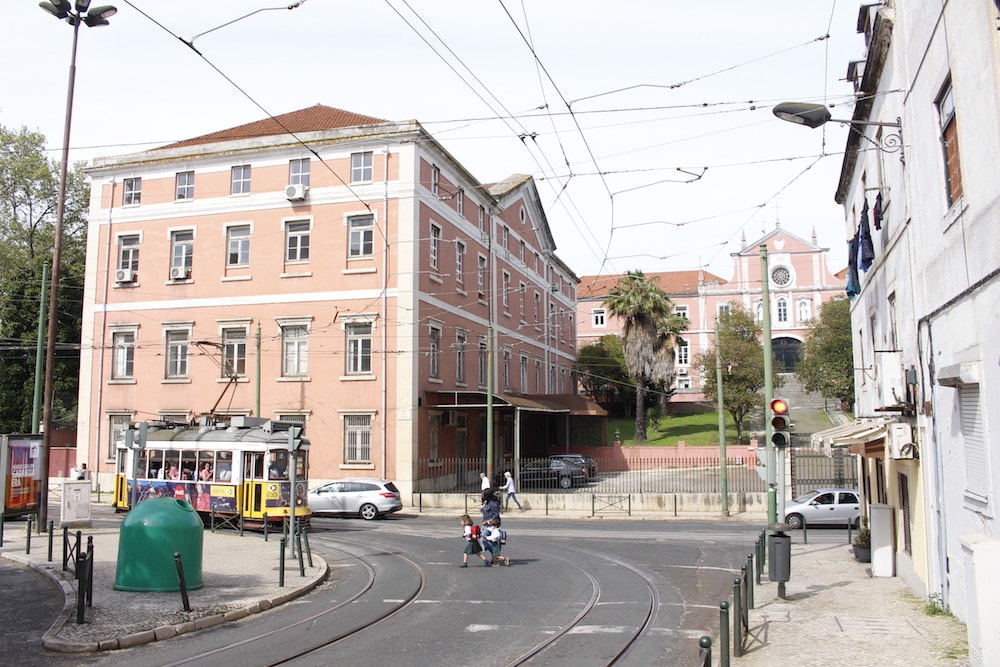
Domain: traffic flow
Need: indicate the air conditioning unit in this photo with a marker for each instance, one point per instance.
(178, 272)
(124, 276)
(682, 371)
(901, 445)
(295, 192)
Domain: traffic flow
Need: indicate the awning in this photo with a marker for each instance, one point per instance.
(571, 404)
(856, 435)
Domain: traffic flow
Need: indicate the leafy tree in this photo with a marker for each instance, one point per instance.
(742, 356)
(649, 330)
(29, 184)
(827, 366)
(603, 375)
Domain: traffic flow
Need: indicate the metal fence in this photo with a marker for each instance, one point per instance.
(617, 475)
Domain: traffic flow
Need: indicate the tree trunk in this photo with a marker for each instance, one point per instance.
(640, 411)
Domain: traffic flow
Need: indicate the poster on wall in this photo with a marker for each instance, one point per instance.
(20, 465)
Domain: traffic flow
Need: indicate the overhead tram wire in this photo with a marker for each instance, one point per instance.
(248, 96)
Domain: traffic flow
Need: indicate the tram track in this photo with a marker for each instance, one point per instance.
(304, 627)
(568, 633)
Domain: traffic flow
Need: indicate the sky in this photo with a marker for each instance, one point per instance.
(646, 124)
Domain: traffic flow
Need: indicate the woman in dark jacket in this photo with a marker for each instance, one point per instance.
(491, 506)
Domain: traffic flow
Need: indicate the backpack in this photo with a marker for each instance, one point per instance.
(474, 532)
(503, 536)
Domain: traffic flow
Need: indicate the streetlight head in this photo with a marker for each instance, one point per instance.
(810, 115)
(82, 5)
(99, 16)
(58, 8)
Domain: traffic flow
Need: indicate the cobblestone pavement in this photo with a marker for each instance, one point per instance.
(835, 613)
(240, 576)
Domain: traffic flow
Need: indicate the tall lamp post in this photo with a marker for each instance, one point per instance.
(75, 14)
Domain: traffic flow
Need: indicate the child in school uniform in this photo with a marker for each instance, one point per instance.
(470, 532)
(492, 539)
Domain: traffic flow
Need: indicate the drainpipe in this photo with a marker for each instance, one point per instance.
(383, 426)
(104, 329)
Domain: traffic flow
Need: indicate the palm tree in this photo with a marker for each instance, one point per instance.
(650, 328)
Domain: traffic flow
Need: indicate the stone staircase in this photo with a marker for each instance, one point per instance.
(799, 399)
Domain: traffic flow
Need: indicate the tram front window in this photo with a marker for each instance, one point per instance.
(279, 465)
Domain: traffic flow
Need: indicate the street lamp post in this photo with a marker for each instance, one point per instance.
(815, 115)
(75, 14)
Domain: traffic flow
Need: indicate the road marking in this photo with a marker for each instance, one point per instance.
(599, 629)
(481, 628)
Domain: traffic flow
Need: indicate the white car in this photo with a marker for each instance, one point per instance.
(367, 497)
(824, 507)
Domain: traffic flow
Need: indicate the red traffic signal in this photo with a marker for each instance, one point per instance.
(781, 423)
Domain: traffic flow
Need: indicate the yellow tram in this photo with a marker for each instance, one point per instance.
(238, 466)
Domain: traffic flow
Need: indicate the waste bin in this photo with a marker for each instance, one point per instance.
(150, 535)
(779, 547)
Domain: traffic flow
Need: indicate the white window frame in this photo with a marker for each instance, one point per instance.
(299, 171)
(435, 245)
(481, 275)
(599, 318)
(435, 180)
(128, 251)
(460, 202)
(505, 289)
(460, 262)
(294, 231)
(238, 244)
(360, 236)
(182, 249)
(177, 341)
(295, 347)
(358, 437)
(434, 332)
(461, 338)
(184, 186)
(132, 192)
(239, 179)
(123, 342)
(359, 334)
(362, 167)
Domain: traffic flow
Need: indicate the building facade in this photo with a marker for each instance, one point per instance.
(327, 268)
(919, 168)
(800, 282)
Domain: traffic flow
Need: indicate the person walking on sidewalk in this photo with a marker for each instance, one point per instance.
(484, 482)
(471, 534)
(511, 491)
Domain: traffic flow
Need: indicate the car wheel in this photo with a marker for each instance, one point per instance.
(856, 523)
(794, 520)
(368, 512)
(565, 482)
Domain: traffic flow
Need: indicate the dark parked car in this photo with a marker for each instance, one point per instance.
(586, 461)
(553, 471)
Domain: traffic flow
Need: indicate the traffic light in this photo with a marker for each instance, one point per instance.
(294, 438)
(781, 423)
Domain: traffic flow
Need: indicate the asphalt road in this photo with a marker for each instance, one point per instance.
(447, 615)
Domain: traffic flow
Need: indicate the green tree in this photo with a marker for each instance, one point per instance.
(29, 184)
(742, 356)
(603, 375)
(827, 366)
(649, 331)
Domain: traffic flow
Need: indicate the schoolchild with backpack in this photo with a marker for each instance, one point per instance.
(471, 534)
(494, 538)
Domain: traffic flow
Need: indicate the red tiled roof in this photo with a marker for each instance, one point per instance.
(312, 119)
(671, 282)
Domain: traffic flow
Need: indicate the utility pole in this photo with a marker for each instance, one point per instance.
(765, 295)
(36, 404)
(723, 462)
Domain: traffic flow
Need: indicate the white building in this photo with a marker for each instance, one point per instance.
(927, 318)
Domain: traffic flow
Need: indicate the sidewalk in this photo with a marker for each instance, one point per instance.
(239, 576)
(835, 613)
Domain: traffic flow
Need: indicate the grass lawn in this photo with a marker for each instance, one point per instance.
(694, 430)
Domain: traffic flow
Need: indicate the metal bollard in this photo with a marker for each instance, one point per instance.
(805, 531)
(705, 651)
(51, 536)
(737, 620)
(745, 601)
(81, 574)
(180, 578)
(90, 570)
(281, 564)
(265, 526)
(305, 538)
(27, 540)
(724, 633)
(298, 549)
(749, 577)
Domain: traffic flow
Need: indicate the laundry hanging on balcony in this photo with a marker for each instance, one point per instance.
(866, 250)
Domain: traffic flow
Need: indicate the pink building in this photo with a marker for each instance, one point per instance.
(800, 282)
(327, 268)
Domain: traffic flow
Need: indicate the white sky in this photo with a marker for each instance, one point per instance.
(618, 162)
